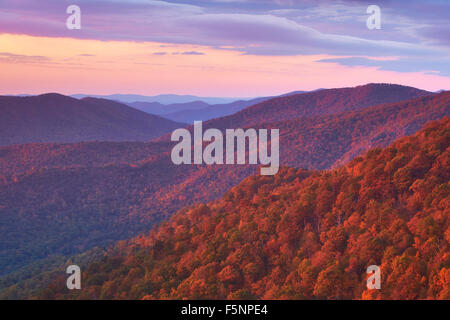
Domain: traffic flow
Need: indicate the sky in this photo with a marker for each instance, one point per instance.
(226, 48)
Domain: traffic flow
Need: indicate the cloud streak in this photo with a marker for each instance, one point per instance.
(8, 57)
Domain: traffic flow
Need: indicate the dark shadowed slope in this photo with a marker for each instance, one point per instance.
(25, 158)
(58, 118)
(299, 235)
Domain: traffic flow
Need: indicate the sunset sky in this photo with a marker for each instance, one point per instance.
(227, 48)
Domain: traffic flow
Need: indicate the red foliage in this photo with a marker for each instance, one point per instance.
(303, 235)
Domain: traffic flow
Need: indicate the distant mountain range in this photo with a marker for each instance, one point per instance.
(164, 109)
(69, 198)
(163, 98)
(187, 110)
(58, 118)
(197, 110)
(184, 109)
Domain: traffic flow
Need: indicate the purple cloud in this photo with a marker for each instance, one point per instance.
(416, 29)
(192, 53)
(20, 58)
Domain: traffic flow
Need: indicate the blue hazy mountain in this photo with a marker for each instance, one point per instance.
(162, 98)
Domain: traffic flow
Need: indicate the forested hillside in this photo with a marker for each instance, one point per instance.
(65, 199)
(318, 103)
(300, 235)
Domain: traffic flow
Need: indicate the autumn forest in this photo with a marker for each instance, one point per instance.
(364, 180)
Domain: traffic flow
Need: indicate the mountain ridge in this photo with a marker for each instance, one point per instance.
(162, 98)
(54, 117)
(316, 103)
